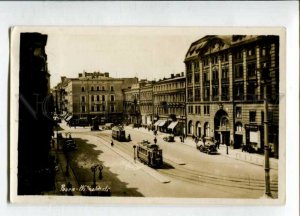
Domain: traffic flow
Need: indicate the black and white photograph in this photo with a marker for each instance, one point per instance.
(148, 113)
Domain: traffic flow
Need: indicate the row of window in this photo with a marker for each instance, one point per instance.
(170, 110)
(250, 52)
(197, 110)
(264, 51)
(97, 98)
(206, 76)
(252, 115)
(98, 108)
(92, 88)
(170, 97)
(169, 86)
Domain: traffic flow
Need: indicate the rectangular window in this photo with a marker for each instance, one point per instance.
(224, 73)
(225, 92)
(206, 110)
(103, 107)
(92, 88)
(112, 108)
(92, 98)
(98, 88)
(252, 116)
(93, 108)
(98, 107)
(197, 94)
(103, 88)
(112, 98)
(83, 109)
(238, 69)
(189, 79)
(103, 97)
(112, 88)
(82, 89)
(238, 112)
(251, 70)
(197, 77)
(98, 98)
(82, 98)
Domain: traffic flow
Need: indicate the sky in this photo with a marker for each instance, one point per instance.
(146, 53)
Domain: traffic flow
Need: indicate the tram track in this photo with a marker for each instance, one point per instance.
(195, 176)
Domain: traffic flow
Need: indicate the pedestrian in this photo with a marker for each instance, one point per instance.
(129, 137)
(155, 140)
(193, 137)
(217, 144)
(112, 143)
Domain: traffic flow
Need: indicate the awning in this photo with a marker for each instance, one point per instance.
(173, 125)
(69, 118)
(157, 123)
(162, 123)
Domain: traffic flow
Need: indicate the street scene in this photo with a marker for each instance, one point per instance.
(176, 116)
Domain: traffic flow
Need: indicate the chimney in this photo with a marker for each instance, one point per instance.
(172, 76)
(80, 75)
(182, 74)
(106, 74)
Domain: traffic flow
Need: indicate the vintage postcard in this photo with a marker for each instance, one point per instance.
(147, 115)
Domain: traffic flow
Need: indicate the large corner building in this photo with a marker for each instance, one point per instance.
(225, 91)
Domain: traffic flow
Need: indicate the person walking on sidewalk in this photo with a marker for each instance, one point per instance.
(112, 143)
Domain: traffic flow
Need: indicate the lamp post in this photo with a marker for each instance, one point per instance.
(134, 157)
(94, 169)
(265, 82)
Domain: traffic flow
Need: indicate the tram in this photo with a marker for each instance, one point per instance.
(150, 154)
(118, 133)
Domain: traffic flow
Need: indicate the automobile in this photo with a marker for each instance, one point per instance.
(69, 144)
(136, 125)
(107, 126)
(208, 146)
(169, 139)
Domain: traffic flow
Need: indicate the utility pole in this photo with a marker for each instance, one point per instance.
(265, 81)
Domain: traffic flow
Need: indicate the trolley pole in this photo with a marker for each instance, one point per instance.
(266, 144)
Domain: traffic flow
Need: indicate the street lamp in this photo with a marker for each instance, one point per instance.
(265, 82)
(94, 169)
(134, 157)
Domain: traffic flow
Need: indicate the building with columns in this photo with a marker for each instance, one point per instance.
(169, 104)
(224, 91)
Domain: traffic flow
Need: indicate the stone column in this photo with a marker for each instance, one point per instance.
(245, 72)
(210, 80)
(230, 75)
(258, 66)
(201, 80)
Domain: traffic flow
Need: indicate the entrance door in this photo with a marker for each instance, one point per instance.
(238, 140)
(226, 137)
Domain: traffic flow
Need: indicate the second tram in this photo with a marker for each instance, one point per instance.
(118, 133)
(150, 154)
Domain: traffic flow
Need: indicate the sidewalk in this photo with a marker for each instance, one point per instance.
(61, 179)
(237, 154)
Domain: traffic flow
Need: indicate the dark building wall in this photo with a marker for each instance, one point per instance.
(35, 120)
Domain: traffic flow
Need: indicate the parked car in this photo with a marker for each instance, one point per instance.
(169, 139)
(208, 146)
(107, 126)
(136, 125)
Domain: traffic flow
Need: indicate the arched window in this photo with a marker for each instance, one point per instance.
(238, 127)
(206, 129)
